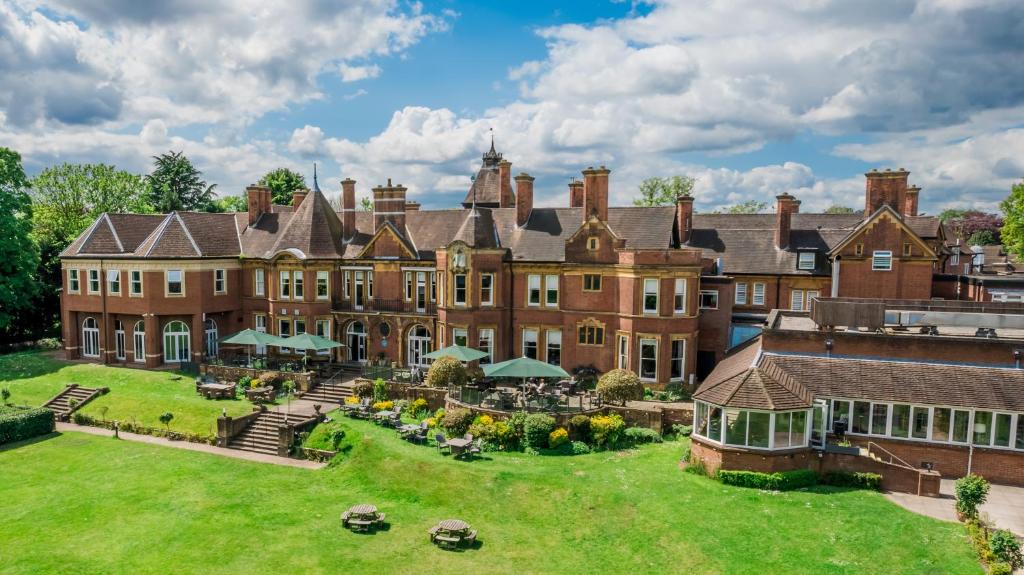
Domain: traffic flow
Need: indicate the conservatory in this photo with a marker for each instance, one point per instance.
(752, 428)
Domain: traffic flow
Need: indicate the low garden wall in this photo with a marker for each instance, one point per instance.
(434, 396)
(228, 427)
(18, 424)
(302, 380)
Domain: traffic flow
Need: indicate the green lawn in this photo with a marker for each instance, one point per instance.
(77, 503)
(135, 394)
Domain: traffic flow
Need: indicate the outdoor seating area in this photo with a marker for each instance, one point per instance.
(362, 518)
(460, 447)
(452, 534)
(563, 396)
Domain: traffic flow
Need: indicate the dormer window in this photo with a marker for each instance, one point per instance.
(459, 259)
(805, 261)
(592, 243)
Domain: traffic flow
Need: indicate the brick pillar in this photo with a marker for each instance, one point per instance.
(196, 332)
(154, 341)
(70, 330)
(297, 197)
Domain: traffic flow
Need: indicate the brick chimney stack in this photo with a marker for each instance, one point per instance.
(298, 196)
(524, 198)
(786, 205)
(595, 193)
(910, 202)
(684, 217)
(348, 208)
(505, 199)
(576, 194)
(259, 199)
(888, 188)
(411, 206)
(389, 206)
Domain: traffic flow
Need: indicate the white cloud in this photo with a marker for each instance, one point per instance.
(307, 140)
(355, 73)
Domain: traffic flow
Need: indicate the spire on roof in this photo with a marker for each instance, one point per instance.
(316, 185)
(491, 158)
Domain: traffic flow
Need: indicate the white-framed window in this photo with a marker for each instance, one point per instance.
(679, 298)
(369, 284)
(323, 329)
(94, 281)
(591, 282)
(135, 282)
(421, 292)
(284, 329)
(177, 342)
(359, 289)
(460, 336)
(460, 289)
(954, 259)
(741, 294)
(651, 296)
(648, 359)
(297, 286)
(119, 346)
(551, 290)
(622, 361)
(260, 323)
(139, 341)
(486, 344)
(805, 261)
(809, 301)
(259, 281)
(796, 300)
(433, 286)
(73, 281)
(708, 299)
(285, 291)
(750, 428)
(114, 282)
(346, 284)
(553, 349)
(486, 289)
(678, 360)
(881, 260)
(90, 338)
(323, 288)
(533, 290)
(175, 282)
(300, 328)
(530, 343)
(408, 286)
(220, 281)
(758, 293)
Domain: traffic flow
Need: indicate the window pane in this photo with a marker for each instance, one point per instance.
(648, 359)
(715, 424)
(1002, 435)
(782, 423)
(861, 417)
(759, 429)
(879, 414)
(941, 423)
(961, 419)
(920, 430)
(982, 428)
(798, 436)
(1019, 444)
(840, 412)
(735, 427)
(900, 420)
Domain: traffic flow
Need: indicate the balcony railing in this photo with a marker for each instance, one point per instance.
(380, 305)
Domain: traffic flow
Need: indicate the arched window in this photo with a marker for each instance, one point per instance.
(210, 331)
(177, 347)
(139, 339)
(418, 346)
(356, 334)
(90, 338)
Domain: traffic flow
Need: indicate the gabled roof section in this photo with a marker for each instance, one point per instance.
(477, 230)
(314, 230)
(748, 379)
(888, 213)
(387, 228)
(170, 240)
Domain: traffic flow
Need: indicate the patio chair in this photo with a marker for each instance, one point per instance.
(468, 436)
(470, 538)
(419, 436)
(442, 442)
(475, 449)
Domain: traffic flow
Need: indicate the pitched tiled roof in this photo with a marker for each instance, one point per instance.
(313, 230)
(486, 188)
(477, 230)
(748, 379)
(178, 234)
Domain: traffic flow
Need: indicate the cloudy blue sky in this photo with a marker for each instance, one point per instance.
(751, 97)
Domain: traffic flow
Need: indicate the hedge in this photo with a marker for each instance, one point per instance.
(857, 480)
(26, 424)
(778, 481)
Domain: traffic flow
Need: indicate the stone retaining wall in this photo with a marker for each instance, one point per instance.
(302, 380)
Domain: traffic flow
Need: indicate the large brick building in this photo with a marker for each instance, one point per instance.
(659, 290)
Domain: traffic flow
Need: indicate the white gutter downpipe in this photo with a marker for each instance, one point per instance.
(835, 277)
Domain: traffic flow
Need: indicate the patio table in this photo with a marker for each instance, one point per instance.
(217, 390)
(458, 445)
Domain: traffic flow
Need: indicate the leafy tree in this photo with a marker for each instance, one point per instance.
(228, 204)
(620, 385)
(950, 214)
(282, 182)
(19, 255)
(67, 198)
(663, 191)
(971, 222)
(176, 184)
(1012, 231)
(983, 238)
(365, 204)
(747, 207)
(840, 210)
(165, 418)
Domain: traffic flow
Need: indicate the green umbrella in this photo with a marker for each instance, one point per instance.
(307, 341)
(459, 352)
(251, 337)
(524, 367)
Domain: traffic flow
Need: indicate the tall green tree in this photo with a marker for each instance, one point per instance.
(19, 255)
(282, 182)
(1013, 221)
(663, 191)
(176, 184)
(366, 204)
(747, 207)
(950, 214)
(228, 204)
(67, 198)
(839, 210)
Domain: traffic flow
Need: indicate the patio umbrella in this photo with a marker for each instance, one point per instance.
(249, 337)
(459, 352)
(306, 342)
(524, 367)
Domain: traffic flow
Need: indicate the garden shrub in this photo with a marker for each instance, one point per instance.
(244, 381)
(857, 480)
(1006, 548)
(383, 405)
(380, 390)
(24, 424)
(1000, 569)
(778, 481)
(446, 371)
(557, 438)
(579, 428)
(641, 435)
(580, 448)
(516, 424)
(606, 430)
(416, 407)
(503, 437)
(268, 379)
(362, 389)
(971, 491)
(620, 385)
(351, 400)
(682, 430)
(457, 421)
(483, 427)
(537, 428)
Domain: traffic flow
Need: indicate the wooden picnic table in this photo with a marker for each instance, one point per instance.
(362, 517)
(451, 533)
(217, 390)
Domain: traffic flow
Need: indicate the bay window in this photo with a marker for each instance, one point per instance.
(460, 289)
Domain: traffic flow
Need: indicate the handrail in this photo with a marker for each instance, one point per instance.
(891, 456)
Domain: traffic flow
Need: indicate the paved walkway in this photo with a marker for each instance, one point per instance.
(233, 453)
(1005, 505)
(303, 407)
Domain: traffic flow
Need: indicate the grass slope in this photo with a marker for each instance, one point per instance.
(85, 504)
(135, 394)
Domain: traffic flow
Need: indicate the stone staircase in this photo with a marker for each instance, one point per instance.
(61, 404)
(264, 433)
(329, 392)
